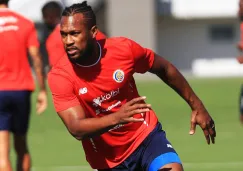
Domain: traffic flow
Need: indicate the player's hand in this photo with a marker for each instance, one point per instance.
(203, 119)
(131, 108)
(41, 103)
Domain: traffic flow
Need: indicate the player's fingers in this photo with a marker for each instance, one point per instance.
(212, 130)
(38, 109)
(193, 125)
(206, 134)
(211, 127)
(131, 119)
(136, 111)
(193, 128)
(212, 135)
(41, 107)
(136, 100)
(139, 106)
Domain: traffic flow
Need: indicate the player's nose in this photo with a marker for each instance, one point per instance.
(69, 40)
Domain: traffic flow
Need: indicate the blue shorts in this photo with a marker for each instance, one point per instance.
(154, 152)
(15, 111)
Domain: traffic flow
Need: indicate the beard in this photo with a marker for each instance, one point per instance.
(84, 55)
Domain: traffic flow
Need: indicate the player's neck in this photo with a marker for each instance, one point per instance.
(3, 6)
(57, 22)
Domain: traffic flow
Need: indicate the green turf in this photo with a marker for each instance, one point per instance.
(53, 149)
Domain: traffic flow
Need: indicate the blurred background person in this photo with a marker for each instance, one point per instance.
(18, 37)
(51, 13)
(240, 43)
(240, 58)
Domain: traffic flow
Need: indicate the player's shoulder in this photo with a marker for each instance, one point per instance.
(57, 29)
(54, 35)
(63, 67)
(119, 41)
(20, 17)
(123, 44)
(117, 48)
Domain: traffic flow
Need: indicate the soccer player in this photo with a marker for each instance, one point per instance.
(17, 38)
(240, 58)
(95, 95)
(51, 13)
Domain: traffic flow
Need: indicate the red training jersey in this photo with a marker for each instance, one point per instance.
(55, 48)
(17, 34)
(100, 35)
(101, 89)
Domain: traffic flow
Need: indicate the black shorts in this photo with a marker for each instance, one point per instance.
(15, 111)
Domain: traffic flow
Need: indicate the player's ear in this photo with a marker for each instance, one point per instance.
(94, 31)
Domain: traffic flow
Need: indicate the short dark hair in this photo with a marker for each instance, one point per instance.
(4, 2)
(84, 9)
(52, 5)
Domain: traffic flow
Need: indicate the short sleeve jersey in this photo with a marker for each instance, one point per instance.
(17, 34)
(101, 89)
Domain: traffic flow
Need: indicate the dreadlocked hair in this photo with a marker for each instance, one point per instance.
(84, 9)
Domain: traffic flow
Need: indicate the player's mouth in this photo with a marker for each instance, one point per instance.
(72, 51)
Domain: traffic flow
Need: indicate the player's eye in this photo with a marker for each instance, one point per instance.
(63, 34)
(75, 33)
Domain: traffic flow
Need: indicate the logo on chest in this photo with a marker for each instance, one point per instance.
(118, 75)
(98, 100)
(83, 91)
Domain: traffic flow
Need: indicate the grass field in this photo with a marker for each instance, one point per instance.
(53, 149)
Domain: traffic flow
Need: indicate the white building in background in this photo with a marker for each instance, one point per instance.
(180, 30)
(200, 29)
(32, 8)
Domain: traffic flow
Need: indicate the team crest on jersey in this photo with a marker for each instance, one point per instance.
(118, 75)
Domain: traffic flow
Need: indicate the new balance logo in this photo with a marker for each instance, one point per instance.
(83, 90)
(169, 146)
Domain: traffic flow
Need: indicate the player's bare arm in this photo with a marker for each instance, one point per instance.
(38, 67)
(200, 116)
(81, 127)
